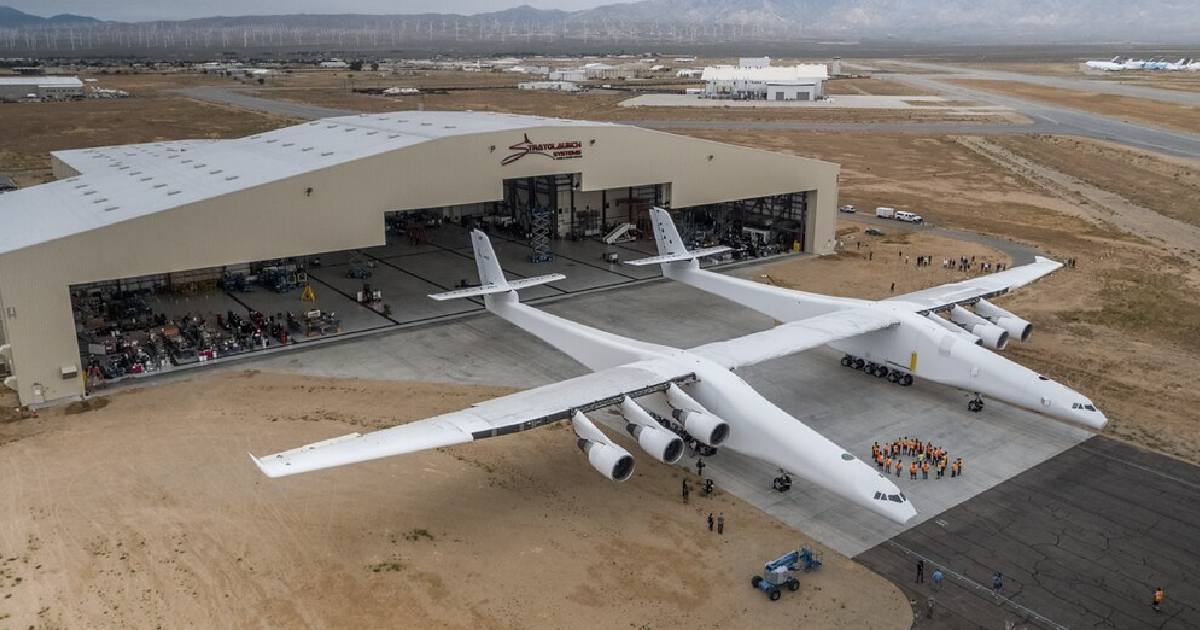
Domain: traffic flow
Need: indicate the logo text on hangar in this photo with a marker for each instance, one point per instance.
(566, 150)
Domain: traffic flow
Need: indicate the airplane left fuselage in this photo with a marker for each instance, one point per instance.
(758, 428)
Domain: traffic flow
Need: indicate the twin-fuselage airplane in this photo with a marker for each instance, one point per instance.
(710, 403)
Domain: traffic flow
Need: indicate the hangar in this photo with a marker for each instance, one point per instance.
(197, 215)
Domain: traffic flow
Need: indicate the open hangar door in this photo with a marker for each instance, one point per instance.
(759, 226)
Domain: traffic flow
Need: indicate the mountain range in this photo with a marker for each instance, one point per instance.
(965, 21)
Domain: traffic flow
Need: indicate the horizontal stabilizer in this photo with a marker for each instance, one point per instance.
(666, 258)
(487, 289)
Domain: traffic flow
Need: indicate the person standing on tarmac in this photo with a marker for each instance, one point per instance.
(920, 569)
(1159, 596)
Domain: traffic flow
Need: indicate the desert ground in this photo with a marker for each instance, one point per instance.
(32, 130)
(147, 513)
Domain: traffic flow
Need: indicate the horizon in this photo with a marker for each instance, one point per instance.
(146, 11)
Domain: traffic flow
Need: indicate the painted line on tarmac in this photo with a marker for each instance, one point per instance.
(980, 588)
(1157, 473)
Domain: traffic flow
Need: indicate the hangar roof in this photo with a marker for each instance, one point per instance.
(119, 183)
(42, 81)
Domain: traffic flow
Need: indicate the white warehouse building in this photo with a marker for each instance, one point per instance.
(52, 88)
(802, 82)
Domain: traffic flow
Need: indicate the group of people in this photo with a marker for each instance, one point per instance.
(924, 455)
(967, 263)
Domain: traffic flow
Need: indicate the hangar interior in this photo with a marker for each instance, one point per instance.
(579, 221)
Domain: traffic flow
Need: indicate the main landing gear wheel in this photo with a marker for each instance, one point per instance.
(893, 377)
(907, 380)
(882, 372)
(859, 363)
(847, 361)
(975, 406)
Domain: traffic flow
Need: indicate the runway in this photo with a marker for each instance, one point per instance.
(1047, 119)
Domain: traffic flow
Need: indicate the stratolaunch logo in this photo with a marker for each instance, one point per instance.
(554, 150)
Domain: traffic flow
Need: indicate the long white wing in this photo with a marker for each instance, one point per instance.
(796, 336)
(982, 287)
(500, 416)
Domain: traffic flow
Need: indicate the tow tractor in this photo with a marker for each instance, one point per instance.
(780, 572)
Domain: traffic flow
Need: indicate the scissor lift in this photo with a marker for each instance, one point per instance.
(781, 572)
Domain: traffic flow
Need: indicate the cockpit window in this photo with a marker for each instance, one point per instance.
(1090, 407)
(894, 498)
(1042, 378)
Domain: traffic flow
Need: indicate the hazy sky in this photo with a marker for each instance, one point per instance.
(141, 10)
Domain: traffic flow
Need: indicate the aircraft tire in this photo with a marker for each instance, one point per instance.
(906, 380)
(859, 363)
(882, 372)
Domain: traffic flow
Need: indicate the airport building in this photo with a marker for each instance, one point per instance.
(803, 82)
(144, 257)
(39, 87)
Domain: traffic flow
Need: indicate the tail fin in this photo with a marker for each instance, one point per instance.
(670, 246)
(491, 276)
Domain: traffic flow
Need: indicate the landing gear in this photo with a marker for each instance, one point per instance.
(877, 370)
(976, 405)
(782, 483)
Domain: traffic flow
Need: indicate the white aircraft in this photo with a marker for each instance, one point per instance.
(710, 403)
(916, 341)
(1111, 65)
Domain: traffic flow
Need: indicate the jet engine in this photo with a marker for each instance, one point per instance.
(658, 442)
(696, 420)
(607, 458)
(992, 335)
(1016, 327)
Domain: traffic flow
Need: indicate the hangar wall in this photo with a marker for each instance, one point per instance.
(345, 210)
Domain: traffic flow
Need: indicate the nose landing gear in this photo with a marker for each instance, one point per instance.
(975, 405)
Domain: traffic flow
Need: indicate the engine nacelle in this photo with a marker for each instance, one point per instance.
(609, 460)
(1016, 327)
(990, 334)
(660, 444)
(703, 426)
(696, 420)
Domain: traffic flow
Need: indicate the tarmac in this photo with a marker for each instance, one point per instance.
(840, 101)
(1081, 539)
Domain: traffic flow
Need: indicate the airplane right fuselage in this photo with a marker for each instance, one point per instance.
(915, 345)
(926, 350)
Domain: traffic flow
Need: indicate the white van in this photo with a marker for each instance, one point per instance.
(908, 217)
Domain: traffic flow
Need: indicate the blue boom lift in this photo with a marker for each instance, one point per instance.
(780, 572)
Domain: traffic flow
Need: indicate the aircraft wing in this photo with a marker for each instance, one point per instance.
(500, 416)
(797, 336)
(985, 287)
